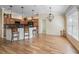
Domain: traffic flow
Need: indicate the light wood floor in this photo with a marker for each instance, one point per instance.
(44, 44)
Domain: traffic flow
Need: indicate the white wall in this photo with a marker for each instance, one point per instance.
(54, 27)
(40, 25)
(0, 22)
(42, 17)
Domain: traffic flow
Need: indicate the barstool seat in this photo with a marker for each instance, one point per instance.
(35, 32)
(26, 33)
(15, 34)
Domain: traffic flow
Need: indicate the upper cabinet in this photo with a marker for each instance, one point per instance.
(8, 19)
(14, 17)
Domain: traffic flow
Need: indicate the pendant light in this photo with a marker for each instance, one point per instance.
(11, 7)
(22, 11)
(50, 16)
(32, 13)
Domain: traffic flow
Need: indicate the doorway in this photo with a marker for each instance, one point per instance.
(44, 26)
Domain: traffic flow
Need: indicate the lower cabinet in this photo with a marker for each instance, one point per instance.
(21, 33)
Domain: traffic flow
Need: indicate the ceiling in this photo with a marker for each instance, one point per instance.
(60, 9)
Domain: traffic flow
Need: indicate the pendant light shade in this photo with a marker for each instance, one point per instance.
(51, 16)
(32, 13)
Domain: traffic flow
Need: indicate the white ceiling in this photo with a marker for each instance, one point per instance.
(38, 9)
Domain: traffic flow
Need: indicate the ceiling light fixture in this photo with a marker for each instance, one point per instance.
(50, 16)
(11, 7)
(32, 13)
(22, 11)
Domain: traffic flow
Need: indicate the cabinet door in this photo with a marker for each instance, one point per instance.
(21, 22)
(8, 34)
(21, 33)
(12, 21)
(8, 21)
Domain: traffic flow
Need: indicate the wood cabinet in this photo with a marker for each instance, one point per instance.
(20, 25)
(21, 21)
(35, 22)
(8, 19)
(12, 21)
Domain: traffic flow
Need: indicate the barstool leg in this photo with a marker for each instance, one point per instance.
(12, 37)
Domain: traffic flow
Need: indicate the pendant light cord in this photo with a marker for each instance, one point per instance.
(22, 11)
(11, 9)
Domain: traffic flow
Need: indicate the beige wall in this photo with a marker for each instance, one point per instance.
(42, 17)
(0, 22)
(55, 26)
(51, 28)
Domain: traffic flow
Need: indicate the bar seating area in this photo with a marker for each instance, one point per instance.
(20, 29)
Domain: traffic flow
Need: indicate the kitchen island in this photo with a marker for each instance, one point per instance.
(20, 29)
(19, 33)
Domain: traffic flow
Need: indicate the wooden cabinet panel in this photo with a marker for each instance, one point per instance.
(12, 21)
(7, 18)
(8, 21)
(21, 22)
(5, 21)
(35, 24)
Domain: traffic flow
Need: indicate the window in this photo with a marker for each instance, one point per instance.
(72, 25)
(69, 26)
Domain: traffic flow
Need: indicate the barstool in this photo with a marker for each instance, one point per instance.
(35, 32)
(15, 34)
(26, 33)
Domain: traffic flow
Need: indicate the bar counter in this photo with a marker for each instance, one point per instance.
(19, 32)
